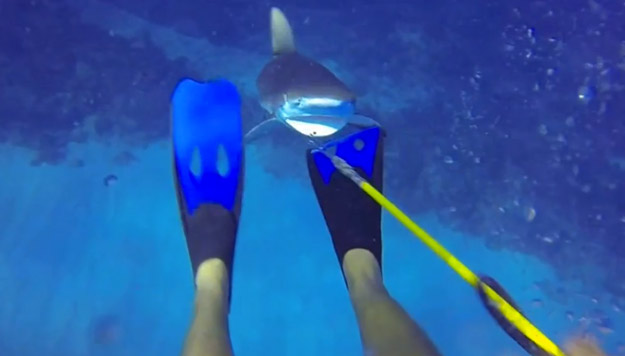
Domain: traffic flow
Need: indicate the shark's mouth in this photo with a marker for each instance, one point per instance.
(316, 117)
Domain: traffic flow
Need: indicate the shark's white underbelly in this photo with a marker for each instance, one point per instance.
(315, 117)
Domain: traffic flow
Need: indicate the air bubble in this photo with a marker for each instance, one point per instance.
(586, 93)
(530, 214)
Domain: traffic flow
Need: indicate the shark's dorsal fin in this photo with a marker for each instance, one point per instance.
(282, 39)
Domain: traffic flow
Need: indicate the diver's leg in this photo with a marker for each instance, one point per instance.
(209, 334)
(385, 327)
(354, 222)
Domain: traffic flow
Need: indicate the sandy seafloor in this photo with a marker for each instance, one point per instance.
(76, 255)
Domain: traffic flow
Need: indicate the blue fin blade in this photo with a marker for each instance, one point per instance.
(358, 149)
(206, 118)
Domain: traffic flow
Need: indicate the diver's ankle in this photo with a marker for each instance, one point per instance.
(212, 279)
(362, 273)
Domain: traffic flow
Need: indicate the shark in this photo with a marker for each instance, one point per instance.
(300, 92)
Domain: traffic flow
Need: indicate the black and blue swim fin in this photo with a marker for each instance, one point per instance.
(353, 218)
(208, 167)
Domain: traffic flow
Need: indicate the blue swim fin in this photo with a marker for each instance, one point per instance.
(206, 119)
(358, 150)
(206, 130)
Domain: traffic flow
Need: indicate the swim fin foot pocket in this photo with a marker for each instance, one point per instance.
(352, 217)
(208, 167)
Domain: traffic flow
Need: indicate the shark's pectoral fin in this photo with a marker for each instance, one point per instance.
(255, 132)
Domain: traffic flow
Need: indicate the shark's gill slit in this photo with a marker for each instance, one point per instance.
(195, 166)
(223, 163)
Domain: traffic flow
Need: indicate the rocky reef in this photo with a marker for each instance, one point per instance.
(63, 80)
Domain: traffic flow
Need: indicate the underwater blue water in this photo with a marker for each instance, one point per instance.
(116, 259)
(506, 143)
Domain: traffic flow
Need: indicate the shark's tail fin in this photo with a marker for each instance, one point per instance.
(282, 39)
